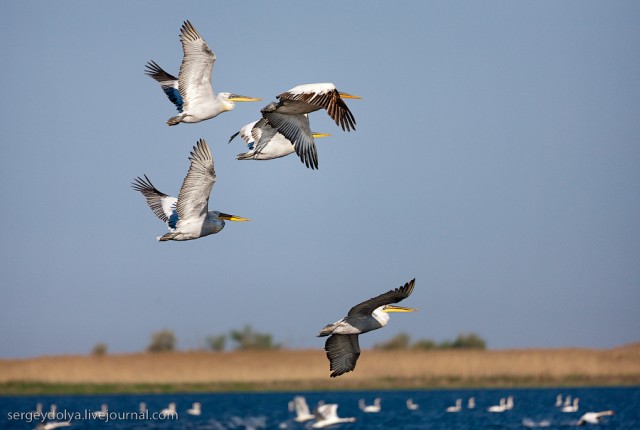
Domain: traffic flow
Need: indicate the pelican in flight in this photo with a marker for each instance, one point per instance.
(266, 143)
(302, 410)
(327, 415)
(593, 417)
(342, 346)
(191, 92)
(188, 216)
(287, 116)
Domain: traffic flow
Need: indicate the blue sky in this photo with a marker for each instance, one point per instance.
(496, 160)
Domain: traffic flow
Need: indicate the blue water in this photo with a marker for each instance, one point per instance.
(533, 408)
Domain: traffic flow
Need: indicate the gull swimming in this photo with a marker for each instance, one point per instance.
(188, 216)
(191, 92)
(342, 346)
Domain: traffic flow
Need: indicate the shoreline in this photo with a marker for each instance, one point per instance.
(308, 370)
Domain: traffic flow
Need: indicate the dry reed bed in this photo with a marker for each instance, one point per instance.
(617, 365)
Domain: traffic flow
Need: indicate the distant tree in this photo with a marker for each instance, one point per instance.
(162, 341)
(248, 339)
(469, 341)
(399, 341)
(424, 344)
(216, 343)
(99, 349)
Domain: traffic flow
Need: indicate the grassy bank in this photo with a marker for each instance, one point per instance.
(309, 370)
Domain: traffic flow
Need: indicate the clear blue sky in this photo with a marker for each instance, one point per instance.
(496, 160)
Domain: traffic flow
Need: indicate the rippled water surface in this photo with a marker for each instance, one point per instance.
(532, 408)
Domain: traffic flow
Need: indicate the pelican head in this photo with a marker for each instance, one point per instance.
(227, 217)
(228, 100)
(394, 308)
(348, 96)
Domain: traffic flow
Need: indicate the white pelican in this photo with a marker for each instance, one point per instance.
(327, 415)
(188, 216)
(374, 408)
(509, 405)
(191, 92)
(169, 411)
(287, 115)
(471, 403)
(266, 143)
(500, 407)
(302, 410)
(411, 405)
(53, 410)
(593, 417)
(342, 346)
(558, 400)
(102, 413)
(572, 407)
(455, 408)
(52, 425)
(196, 409)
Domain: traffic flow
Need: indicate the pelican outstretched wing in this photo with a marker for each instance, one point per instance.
(323, 96)
(393, 296)
(193, 199)
(161, 204)
(194, 79)
(168, 82)
(296, 129)
(343, 351)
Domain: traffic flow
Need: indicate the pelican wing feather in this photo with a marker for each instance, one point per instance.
(161, 204)
(322, 96)
(193, 199)
(343, 351)
(194, 79)
(393, 296)
(296, 129)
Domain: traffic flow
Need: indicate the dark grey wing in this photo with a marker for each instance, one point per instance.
(161, 204)
(393, 296)
(327, 98)
(343, 351)
(296, 129)
(263, 133)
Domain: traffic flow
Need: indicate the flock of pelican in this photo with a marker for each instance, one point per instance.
(283, 129)
(326, 414)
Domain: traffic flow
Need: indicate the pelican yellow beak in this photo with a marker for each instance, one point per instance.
(239, 98)
(394, 308)
(236, 218)
(348, 96)
(317, 135)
